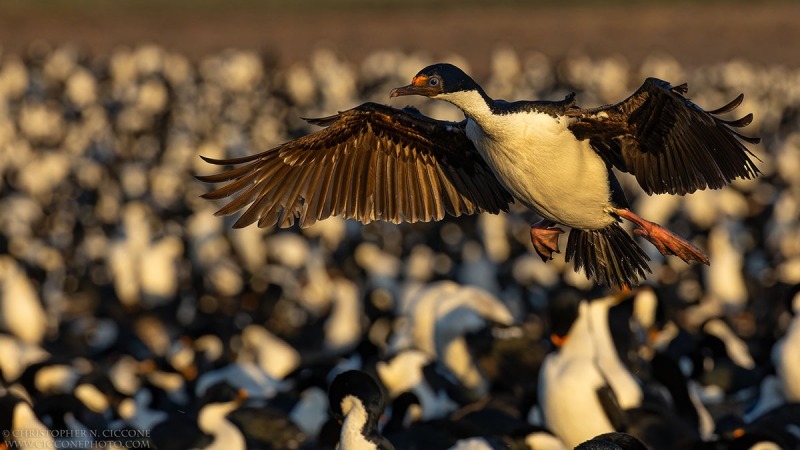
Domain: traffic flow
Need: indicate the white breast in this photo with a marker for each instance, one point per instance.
(568, 383)
(626, 388)
(355, 418)
(543, 166)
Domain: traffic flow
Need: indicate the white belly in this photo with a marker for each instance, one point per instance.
(544, 167)
(568, 398)
(568, 383)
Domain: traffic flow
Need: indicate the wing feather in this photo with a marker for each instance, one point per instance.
(436, 191)
(314, 201)
(372, 162)
(412, 193)
(426, 195)
(345, 179)
(392, 190)
(667, 142)
(380, 184)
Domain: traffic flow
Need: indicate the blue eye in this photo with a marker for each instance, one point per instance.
(433, 82)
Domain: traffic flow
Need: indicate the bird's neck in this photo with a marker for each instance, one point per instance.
(212, 420)
(580, 341)
(475, 103)
(356, 422)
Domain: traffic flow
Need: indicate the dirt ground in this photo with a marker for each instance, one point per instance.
(767, 33)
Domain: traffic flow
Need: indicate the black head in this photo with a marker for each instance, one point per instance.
(613, 441)
(563, 312)
(8, 405)
(437, 79)
(354, 383)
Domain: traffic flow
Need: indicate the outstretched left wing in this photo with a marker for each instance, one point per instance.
(372, 162)
(667, 142)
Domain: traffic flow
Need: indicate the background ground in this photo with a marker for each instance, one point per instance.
(693, 33)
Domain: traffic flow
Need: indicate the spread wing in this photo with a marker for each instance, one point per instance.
(667, 142)
(372, 162)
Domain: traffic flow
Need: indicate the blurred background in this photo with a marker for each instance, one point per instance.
(695, 32)
(112, 266)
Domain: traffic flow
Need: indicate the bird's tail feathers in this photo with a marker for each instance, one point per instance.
(608, 256)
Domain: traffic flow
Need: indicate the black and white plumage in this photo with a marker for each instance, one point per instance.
(18, 416)
(357, 401)
(375, 162)
(574, 395)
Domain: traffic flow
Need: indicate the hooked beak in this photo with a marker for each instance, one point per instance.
(419, 86)
(407, 90)
(558, 341)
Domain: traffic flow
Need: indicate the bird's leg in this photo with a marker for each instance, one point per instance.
(544, 238)
(665, 241)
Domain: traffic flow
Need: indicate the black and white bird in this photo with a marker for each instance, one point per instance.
(574, 395)
(357, 401)
(375, 162)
